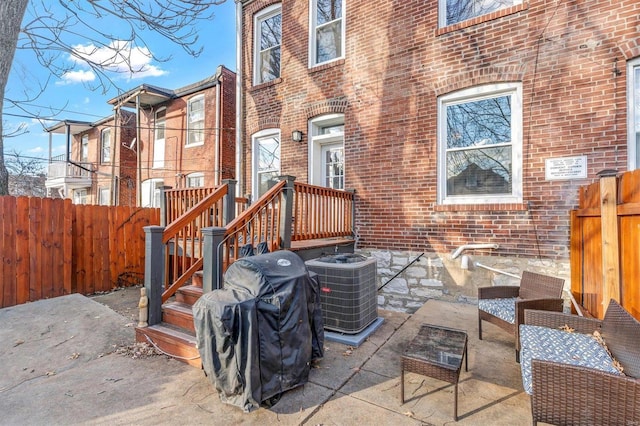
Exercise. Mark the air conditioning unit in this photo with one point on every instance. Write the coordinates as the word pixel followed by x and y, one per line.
pixel 348 292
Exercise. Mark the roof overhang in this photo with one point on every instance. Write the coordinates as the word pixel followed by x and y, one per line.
pixel 148 95
pixel 73 126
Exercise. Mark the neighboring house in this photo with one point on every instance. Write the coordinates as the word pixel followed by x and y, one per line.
pixel 456 122
pixel 186 136
pixel 98 168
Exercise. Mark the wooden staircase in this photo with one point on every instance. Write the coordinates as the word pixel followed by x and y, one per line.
pixel 175 335
pixel 323 225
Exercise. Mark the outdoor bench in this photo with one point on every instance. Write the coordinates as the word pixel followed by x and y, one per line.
pixel 570 374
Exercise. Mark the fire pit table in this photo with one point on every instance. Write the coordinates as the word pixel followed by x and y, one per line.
pixel 436 352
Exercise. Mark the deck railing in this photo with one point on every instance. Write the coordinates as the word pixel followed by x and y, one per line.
pixel 321 212
pixel 183 238
pixel 261 222
pixel 180 200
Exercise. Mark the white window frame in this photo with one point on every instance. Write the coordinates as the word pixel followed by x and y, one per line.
pixel 255 141
pixel 190 122
pixel 104 195
pixel 159 143
pixel 474 94
pixel 84 148
pixel 318 141
pixel 150 192
pixel 105 146
pixel 313 33
pixel 259 17
pixel 633 114
pixel 195 180
pixel 80 196
pixel 442 11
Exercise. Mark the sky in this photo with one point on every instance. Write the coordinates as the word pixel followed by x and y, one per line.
pixel 71 96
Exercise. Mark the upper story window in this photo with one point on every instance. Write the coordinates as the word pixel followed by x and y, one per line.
pixel 633 114
pixel 84 149
pixel 327 31
pixel 105 146
pixel 268 37
pixel 195 121
pixel 158 142
pixel 480 145
pixel 454 11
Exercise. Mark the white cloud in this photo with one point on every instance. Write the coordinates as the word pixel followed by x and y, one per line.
pixel 80 76
pixel 118 57
pixel 36 150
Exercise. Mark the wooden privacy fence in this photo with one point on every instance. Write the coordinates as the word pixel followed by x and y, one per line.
pixel 605 244
pixel 51 247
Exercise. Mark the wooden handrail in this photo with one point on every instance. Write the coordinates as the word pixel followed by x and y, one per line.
pixel 321 212
pixel 184 242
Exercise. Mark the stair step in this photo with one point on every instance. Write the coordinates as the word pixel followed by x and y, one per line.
pixel 178 314
pixel 196 279
pixel 188 294
pixel 175 343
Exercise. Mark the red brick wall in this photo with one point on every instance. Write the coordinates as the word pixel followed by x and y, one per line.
pixel 180 160
pixel 397 62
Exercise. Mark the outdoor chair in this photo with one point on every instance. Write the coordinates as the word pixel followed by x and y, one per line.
pixel 582 370
pixel 504 305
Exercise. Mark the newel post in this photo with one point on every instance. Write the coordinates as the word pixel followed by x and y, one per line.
pixel 610 238
pixel 154 271
pixel 212 258
pixel 286 219
pixel 229 201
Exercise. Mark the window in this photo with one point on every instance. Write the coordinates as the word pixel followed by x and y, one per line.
pixel 84 149
pixel 326 151
pixel 158 142
pixel 327 31
pixel 453 11
pixel 480 145
pixel 79 196
pixel 266 161
pixel 105 146
pixel 195 180
pixel 151 192
pixel 195 121
pixel 103 196
pixel 633 114
pixel 268 35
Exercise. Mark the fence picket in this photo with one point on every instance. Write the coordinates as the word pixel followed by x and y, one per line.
pixel 53 247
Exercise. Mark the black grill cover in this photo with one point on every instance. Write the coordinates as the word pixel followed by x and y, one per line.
pixel 258 335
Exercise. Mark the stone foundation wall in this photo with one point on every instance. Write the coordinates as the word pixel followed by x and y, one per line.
pixel 438 276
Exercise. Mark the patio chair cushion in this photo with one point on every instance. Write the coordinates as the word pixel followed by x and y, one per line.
pixel 560 346
pixel 504 308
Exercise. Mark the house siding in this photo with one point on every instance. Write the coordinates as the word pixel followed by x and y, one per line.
pixel 397 62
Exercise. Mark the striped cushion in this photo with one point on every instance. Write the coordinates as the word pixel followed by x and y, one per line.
pixel 559 346
pixel 505 309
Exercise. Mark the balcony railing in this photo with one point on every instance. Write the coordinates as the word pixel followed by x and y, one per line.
pixel 62 169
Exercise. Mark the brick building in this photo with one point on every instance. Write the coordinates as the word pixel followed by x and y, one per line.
pixel 186 136
pixel 98 169
pixel 457 123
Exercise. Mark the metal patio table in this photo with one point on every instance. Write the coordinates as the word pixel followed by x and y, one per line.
pixel 436 352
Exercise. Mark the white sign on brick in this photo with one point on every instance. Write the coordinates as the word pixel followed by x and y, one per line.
pixel 565 168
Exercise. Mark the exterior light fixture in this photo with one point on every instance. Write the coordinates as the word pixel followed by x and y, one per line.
pixel 296 136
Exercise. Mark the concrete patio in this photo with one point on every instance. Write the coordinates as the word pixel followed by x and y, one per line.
pixel 60 367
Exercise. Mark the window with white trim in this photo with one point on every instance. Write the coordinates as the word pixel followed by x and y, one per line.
pixel 103 196
pixel 266 161
pixel 84 149
pixel 158 140
pixel 326 151
pixel 633 113
pixel 80 196
pixel 454 11
pixel 195 180
pixel 327 31
pixel 105 146
pixel 480 145
pixel 267 31
pixel 151 192
pixel 195 121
